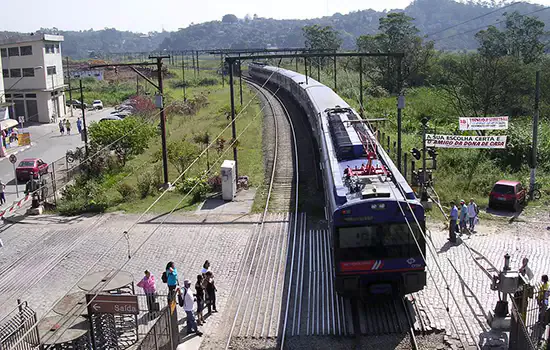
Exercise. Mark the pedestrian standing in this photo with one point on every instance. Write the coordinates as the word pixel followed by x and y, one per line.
pixel 188 303
pixel 68 126
pixel 2 194
pixel 205 267
pixel 150 290
pixel 171 277
pixel 61 127
pixel 463 216
pixel 210 289
pixel 79 125
pixel 473 211
pixel 453 217
pixel 542 297
pixel 199 293
pixel 525 270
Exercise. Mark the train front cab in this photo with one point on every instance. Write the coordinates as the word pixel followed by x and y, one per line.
pixel 377 257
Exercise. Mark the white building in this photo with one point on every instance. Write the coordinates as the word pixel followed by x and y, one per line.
pixel 32 68
pixel 3 105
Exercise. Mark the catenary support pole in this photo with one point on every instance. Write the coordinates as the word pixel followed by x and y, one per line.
pixel 84 128
pixel 233 126
pixel 183 77
pixel 318 69
pixel 534 146
pixel 305 67
pixel 69 82
pixel 162 122
pixel 400 106
pixel 221 69
pixel 240 82
pixel 297 63
pixel 335 81
pixel 361 86
pixel 423 193
pixel 198 65
pixel 194 65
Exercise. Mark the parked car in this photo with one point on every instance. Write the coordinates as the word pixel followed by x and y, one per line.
pixel 507 193
pixel 35 165
pixel 76 104
pixel 122 114
pixel 97 104
pixel 109 118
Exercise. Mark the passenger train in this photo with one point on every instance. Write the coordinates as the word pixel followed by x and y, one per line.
pixel 374 250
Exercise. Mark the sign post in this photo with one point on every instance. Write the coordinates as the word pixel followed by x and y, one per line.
pixel 13 160
pixel 112 304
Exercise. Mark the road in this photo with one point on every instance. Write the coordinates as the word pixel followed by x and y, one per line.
pixel 47 144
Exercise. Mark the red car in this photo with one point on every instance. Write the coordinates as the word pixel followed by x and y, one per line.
pixel 28 165
pixel 507 193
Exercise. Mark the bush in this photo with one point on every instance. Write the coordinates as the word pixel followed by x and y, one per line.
pixel 127 191
pixel 85 196
pixel 196 186
pixel 215 183
pixel 145 184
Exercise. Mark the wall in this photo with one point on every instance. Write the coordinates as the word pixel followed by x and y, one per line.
pixel 2 97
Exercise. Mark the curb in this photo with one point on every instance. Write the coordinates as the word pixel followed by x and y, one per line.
pixel 24 148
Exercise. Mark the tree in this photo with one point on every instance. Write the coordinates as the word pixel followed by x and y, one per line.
pixel 397 34
pixel 180 154
pixel 204 140
pixel 321 38
pixel 521 39
pixel 127 137
pixel 230 18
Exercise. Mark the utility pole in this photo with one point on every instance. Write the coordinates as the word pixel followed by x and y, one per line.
pixel 240 81
pixel 221 69
pixel 233 126
pixel 85 130
pixel 198 65
pixel 318 70
pixel 423 191
pixel 361 86
pixel 305 66
pixel 160 104
pixel 183 77
pixel 533 179
pixel 335 88
pixel 194 65
pixel 69 82
pixel 400 106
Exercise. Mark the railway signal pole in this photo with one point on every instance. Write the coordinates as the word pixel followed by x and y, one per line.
pixel 233 126
pixel 423 190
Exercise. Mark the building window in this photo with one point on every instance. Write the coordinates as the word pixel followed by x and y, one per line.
pixel 6 73
pixel 56 46
pixel 4 52
pixel 28 72
pixel 30 95
pixel 8 95
pixel 51 70
pixel 13 51
pixel 26 50
pixel 15 73
pixel 17 95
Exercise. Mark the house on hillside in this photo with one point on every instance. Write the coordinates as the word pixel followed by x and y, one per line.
pixel 32 69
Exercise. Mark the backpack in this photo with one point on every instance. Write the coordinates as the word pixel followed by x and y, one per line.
pixel 476 209
pixel 164 277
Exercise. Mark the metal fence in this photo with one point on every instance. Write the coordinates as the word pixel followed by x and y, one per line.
pixel 530 318
pixel 14 328
pixel 60 173
pixel 158 330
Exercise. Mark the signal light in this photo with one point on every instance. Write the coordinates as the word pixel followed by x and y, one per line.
pixel 432 152
pixel 416 153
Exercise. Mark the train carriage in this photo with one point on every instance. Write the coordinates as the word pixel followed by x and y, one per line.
pixel 372 211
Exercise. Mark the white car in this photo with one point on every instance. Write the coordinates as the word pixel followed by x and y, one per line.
pixel 97 104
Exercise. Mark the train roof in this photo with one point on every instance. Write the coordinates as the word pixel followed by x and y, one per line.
pixel 346 147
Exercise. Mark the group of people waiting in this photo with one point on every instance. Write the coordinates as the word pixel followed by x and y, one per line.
pixel 466 216
pixel 204 296
pixel 65 125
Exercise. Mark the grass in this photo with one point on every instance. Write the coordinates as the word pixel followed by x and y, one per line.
pixel 208 118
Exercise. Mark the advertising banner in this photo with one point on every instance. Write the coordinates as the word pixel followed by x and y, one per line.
pixel 457 141
pixel 489 123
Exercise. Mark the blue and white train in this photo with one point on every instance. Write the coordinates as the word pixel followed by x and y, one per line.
pixel 374 248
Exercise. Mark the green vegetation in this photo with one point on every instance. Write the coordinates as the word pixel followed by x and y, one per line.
pixel 128 175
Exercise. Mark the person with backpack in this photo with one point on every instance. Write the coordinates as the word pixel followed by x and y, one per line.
pixel 473 211
pixel 170 277
pixel 186 301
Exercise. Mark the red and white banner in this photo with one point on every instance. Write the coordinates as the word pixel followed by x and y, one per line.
pixel 15 206
pixel 458 141
pixel 488 123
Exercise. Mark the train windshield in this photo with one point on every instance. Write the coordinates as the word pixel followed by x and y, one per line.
pixel 378 241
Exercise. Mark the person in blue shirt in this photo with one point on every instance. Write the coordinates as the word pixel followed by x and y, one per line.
pixel 453 217
pixel 463 216
pixel 172 279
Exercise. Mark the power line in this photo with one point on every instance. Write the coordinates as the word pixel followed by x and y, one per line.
pixel 492 24
pixel 472 19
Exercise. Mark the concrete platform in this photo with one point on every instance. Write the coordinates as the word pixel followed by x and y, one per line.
pixel 242 204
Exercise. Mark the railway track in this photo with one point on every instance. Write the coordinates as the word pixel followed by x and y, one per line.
pixel 258 293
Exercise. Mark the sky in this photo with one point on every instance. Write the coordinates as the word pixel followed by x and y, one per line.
pixel 140 15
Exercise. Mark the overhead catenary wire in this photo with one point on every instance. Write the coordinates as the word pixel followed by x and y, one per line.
pixel 125 234
pixel 164 219
pixel 471 19
pixel 423 233
pixel 490 24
